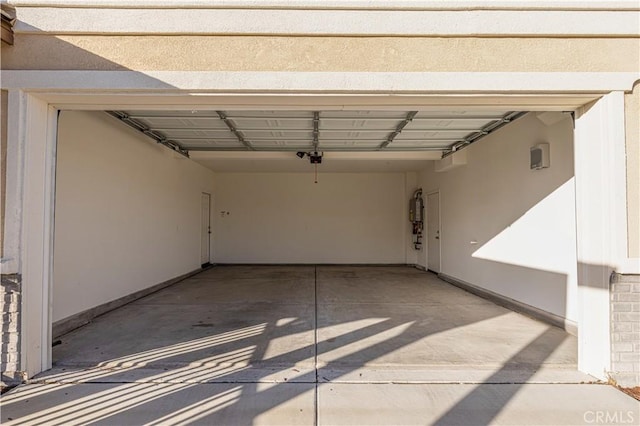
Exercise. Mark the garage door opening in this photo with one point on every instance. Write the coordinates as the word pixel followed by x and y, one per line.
pixel 313 283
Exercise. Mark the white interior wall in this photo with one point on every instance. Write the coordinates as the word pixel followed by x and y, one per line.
pixel 127 212
pixel 507 228
pixel 287 218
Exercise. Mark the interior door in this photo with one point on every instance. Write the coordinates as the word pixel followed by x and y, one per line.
pixel 433 231
pixel 205 231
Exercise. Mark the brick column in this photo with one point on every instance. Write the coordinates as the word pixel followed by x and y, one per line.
pixel 10 303
pixel 625 329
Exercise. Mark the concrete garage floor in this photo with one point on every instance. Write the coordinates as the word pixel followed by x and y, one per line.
pixel 314 345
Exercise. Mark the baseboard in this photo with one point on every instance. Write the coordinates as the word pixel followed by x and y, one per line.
pixel 313 264
pixel 72 322
pixel 569 326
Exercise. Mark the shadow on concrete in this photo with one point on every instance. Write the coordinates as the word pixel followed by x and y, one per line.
pixel 233 364
pixel 472 409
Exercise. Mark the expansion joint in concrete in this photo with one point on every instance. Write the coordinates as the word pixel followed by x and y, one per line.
pixel 315 345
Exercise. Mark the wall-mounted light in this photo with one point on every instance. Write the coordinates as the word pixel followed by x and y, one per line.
pixel 539 156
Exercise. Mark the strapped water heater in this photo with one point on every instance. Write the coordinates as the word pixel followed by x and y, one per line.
pixel 416 217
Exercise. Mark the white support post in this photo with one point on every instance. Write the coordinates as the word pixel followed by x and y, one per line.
pixel 13 174
pixel 38 141
pixel 600 219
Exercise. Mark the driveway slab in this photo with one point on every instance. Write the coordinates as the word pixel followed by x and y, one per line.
pixel 160 404
pixel 473 405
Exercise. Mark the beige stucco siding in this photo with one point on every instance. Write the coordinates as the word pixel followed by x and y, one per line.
pixel 348 54
pixel 3 163
pixel 291 53
pixel 632 122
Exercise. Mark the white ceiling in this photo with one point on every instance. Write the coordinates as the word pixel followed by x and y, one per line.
pixel 336 162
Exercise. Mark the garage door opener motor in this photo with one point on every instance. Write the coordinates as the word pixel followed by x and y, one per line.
pixel 416 217
pixel 314 158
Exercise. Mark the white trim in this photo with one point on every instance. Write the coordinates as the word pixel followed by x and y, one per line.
pixel 39 144
pixel 311 102
pixel 433 23
pixel 51 150
pixel 322 82
pixel 339 4
pixel 601 224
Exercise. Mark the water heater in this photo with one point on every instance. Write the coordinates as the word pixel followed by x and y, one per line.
pixel 416 217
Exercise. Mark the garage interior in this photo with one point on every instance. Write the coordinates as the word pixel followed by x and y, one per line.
pixel 278 261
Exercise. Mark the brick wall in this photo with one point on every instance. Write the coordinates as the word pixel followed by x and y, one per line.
pixel 625 329
pixel 10 296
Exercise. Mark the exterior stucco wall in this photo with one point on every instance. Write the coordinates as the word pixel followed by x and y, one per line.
pixel 300 53
pixel 3 163
pixel 632 123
